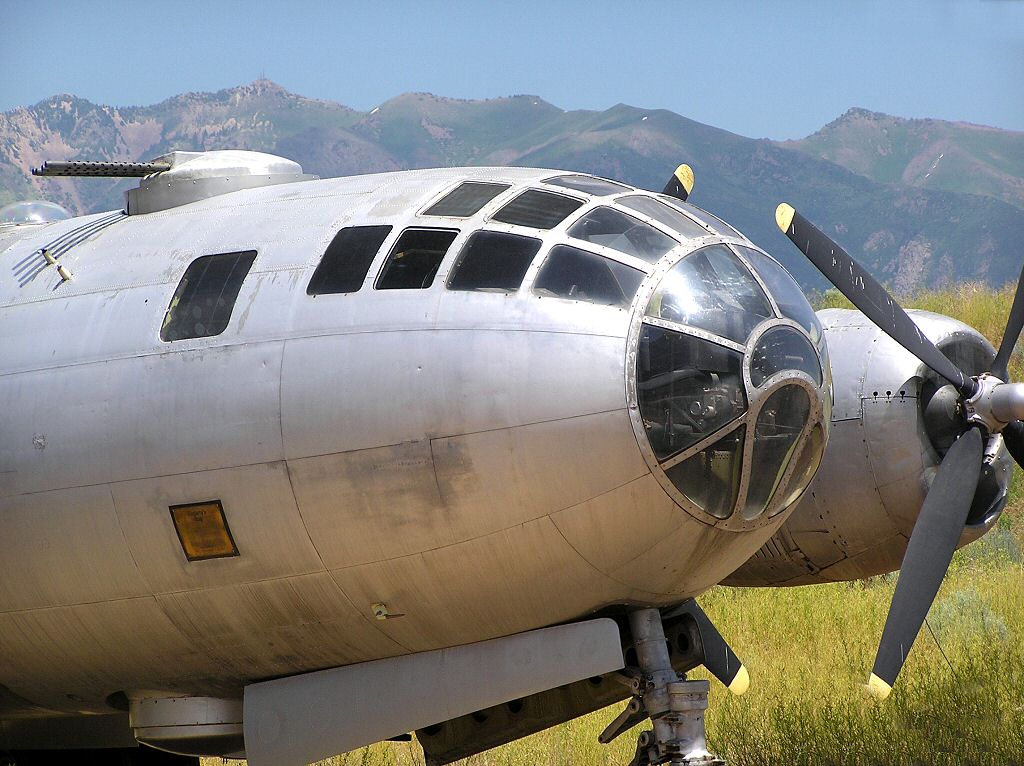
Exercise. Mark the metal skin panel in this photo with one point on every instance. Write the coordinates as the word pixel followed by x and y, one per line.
pixel 145 416
pixel 855 519
pixel 71 658
pixel 70 550
pixel 461 382
pixel 429 494
pixel 484 588
pixel 294 721
pixel 260 511
pixel 282 626
pixel 466 459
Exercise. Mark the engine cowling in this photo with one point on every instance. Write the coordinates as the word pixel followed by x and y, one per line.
pixel 886 442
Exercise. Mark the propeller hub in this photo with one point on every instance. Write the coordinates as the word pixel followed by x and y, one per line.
pixel 992 403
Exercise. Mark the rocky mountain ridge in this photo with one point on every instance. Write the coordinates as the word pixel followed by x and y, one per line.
pixel 909 232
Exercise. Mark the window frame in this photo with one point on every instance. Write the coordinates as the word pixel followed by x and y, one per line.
pixel 369 263
pixel 435 200
pixel 541 262
pixel 175 300
pixel 584 204
pixel 382 269
pixel 526 280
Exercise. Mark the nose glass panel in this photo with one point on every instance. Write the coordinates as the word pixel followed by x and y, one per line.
pixel 711 289
pixel 711 478
pixel 687 388
pixel 806 467
pixel 783 348
pixel 776 437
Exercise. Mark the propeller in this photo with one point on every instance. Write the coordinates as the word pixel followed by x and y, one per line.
pixel 680 185
pixel 989 405
pixel 719 658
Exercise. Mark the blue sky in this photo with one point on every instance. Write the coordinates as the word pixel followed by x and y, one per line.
pixel 777 70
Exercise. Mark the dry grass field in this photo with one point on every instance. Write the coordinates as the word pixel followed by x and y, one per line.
pixel 959 700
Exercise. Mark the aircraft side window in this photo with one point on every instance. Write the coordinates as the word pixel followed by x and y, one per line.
pixel 711 220
pixel 202 304
pixel 414 258
pixel 493 260
pixel 613 228
pixel 569 272
pixel 538 209
pixel 661 212
pixel 347 260
pixel 599 187
pixel 466 199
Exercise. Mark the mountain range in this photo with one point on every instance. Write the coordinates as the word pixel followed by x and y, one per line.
pixel 922 203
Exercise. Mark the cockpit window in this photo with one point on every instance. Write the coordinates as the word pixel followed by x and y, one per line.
pixel 414 259
pixel 711 220
pixel 537 209
pixel 466 199
pixel 206 295
pixel 789 297
pixel 347 260
pixel 783 348
pixel 711 289
pixel 569 272
pixel 613 228
pixel 776 438
pixel 661 212
pixel 493 260
pixel 687 388
pixel 711 478
pixel 599 187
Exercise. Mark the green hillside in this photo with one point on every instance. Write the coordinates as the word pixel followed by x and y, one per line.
pixel 930 154
pixel 908 235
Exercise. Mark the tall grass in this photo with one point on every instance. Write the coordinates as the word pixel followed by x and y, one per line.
pixel 959 699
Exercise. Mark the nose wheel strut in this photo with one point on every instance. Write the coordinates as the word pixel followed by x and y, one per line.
pixel 674 705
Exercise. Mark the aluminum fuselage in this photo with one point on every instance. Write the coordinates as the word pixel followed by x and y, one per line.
pixel 466 458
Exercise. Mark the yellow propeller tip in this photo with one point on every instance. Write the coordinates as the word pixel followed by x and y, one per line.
pixel 741 682
pixel 784 216
pixel 878 688
pixel 685 175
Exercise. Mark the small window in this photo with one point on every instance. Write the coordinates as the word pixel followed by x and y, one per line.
pixel 711 220
pixel 492 260
pixel 466 199
pixel 347 259
pixel 569 272
pixel 202 304
pixel 599 187
pixel 414 259
pixel 662 213
pixel 613 228
pixel 538 209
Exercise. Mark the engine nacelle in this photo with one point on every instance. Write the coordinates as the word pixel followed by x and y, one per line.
pixel 856 517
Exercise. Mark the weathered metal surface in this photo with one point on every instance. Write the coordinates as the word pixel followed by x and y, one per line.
pixel 468 459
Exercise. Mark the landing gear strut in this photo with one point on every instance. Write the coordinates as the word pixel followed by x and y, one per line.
pixel 674 705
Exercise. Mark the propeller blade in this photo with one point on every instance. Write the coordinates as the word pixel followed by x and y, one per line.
pixel 1014 324
pixel 1013 438
pixel 867 294
pixel 719 658
pixel 681 183
pixel 931 547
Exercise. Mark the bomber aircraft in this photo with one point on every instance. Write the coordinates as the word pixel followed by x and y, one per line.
pixel 291 466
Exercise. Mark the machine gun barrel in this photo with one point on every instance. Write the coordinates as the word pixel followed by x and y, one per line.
pixel 100 169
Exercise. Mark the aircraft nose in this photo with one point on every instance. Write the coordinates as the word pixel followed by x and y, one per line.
pixel 729 390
